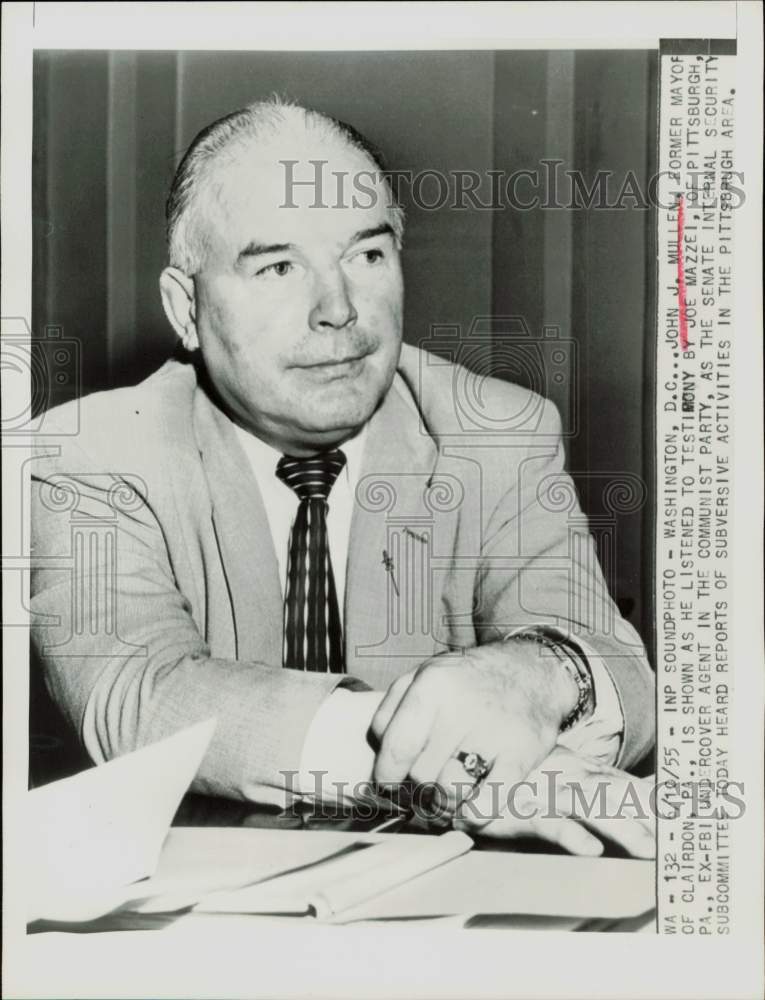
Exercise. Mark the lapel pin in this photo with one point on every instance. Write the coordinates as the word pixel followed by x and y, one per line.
pixel 389 569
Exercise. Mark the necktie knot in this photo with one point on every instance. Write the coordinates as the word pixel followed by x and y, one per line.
pixel 311 478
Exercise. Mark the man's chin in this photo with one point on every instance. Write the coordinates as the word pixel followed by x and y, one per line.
pixel 330 425
pixel 334 410
pixel 334 430
pixel 338 407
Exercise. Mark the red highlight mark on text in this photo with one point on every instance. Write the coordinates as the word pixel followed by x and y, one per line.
pixel 681 274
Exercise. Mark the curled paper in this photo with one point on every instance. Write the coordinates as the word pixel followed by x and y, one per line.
pixel 91 835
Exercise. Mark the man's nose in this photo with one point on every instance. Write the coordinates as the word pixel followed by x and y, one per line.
pixel 332 306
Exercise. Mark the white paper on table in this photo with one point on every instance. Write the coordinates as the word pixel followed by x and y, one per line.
pixel 346 881
pixel 500 883
pixel 495 883
pixel 92 834
pixel 197 862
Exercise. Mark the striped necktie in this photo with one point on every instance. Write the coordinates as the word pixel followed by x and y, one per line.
pixel 313 637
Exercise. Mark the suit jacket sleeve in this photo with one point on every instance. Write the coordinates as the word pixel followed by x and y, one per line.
pixel 121 653
pixel 537 526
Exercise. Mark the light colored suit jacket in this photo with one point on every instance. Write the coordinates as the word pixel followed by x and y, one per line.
pixel 155 592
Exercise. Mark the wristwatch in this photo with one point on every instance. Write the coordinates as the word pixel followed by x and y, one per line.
pixel 572 659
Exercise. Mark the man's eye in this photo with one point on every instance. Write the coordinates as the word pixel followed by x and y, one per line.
pixel 372 256
pixel 281 269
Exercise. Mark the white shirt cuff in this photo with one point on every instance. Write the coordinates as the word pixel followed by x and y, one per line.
pixel 337 757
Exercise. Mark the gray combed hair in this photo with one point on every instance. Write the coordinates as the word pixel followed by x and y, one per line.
pixel 221 140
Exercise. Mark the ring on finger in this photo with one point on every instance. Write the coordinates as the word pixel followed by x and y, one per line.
pixel 474 764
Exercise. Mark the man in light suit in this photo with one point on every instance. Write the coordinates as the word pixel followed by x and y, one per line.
pixel 437 613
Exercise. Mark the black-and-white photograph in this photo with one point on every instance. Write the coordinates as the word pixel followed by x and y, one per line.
pixel 379 459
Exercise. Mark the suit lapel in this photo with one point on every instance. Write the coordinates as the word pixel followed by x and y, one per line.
pixel 244 537
pixel 388 601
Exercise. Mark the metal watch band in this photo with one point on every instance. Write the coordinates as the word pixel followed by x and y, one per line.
pixel 573 660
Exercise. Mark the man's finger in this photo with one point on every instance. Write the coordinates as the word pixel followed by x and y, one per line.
pixel 598 800
pixel 450 774
pixel 567 833
pixel 631 834
pixel 404 737
pixel 434 762
pixel 511 767
pixel 644 795
pixel 390 703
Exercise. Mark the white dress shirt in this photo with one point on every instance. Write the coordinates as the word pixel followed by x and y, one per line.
pixel 336 744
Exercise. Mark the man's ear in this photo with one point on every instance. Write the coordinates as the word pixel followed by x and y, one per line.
pixel 179 302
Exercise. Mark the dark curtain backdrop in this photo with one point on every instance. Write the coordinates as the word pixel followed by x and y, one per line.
pixel 109 128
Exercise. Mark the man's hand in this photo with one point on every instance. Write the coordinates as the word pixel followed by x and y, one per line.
pixel 505 701
pixel 564 797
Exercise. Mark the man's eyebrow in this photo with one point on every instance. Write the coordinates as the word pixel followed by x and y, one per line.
pixel 254 249
pixel 384 229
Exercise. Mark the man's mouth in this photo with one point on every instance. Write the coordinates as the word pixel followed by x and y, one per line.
pixel 349 364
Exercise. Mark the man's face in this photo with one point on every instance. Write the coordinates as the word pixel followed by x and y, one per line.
pixel 298 310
